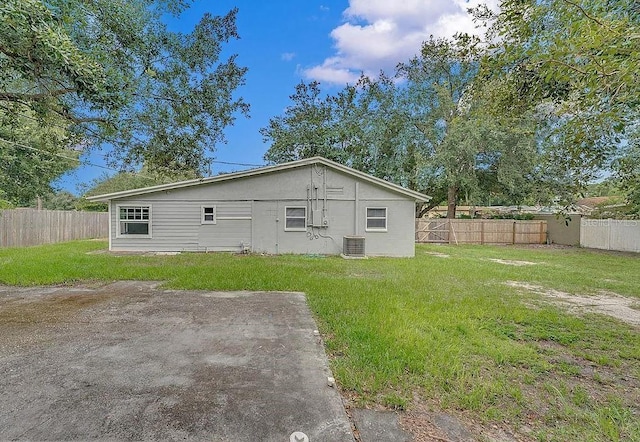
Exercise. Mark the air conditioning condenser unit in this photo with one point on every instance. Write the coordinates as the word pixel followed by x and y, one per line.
pixel 353 246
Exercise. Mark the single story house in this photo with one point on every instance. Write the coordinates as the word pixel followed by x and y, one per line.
pixel 309 206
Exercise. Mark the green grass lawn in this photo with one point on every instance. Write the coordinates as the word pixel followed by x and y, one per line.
pixel 444 333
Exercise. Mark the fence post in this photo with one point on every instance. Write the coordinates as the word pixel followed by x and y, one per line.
pixel 481 232
pixel 513 233
pixel 542 239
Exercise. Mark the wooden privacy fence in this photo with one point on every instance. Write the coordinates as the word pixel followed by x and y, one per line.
pixel 30 227
pixel 480 231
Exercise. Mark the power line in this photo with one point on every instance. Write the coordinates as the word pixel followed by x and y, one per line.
pixel 237 164
pixel 67 158
pixel 229 163
pixel 99 165
pixel 65 127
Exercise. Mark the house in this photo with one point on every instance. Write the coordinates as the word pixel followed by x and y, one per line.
pixel 309 206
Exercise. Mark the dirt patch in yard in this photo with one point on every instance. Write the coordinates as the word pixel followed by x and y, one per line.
pixel 606 303
pixel 438 255
pixel 509 262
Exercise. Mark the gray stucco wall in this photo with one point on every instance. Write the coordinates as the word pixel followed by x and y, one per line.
pixel 561 231
pixel 251 212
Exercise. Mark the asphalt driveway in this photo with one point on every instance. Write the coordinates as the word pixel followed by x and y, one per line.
pixel 130 361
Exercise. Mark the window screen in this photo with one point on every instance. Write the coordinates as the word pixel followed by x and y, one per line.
pixel 295 218
pixel 376 218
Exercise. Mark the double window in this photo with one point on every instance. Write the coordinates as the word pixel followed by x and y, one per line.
pixel 134 221
pixel 376 219
pixel 295 219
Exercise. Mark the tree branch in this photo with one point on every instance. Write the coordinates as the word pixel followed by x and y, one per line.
pixel 586 14
pixel 6 51
pixel 567 65
pixel 18 97
pixel 79 120
pixel 158 97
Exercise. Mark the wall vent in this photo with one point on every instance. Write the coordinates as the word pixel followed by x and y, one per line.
pixel 353 246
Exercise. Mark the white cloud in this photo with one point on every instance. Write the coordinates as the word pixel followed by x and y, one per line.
pixel 378 34
pixel 331 72
pixel 287 56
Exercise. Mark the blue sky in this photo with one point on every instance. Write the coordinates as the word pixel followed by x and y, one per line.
pixel 284 42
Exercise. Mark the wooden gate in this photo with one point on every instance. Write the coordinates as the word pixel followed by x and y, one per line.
pixel 436 231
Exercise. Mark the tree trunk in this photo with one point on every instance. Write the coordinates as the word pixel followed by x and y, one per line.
pixel 452 201
pixel 423 209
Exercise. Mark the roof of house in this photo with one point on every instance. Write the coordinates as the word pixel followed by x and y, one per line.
pixel 594 201
pixel 265 170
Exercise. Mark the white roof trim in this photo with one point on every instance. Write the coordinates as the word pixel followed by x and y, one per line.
pixel 265 170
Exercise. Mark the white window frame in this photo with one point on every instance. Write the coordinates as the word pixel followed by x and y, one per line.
pixel 295 229
pixel 119 221
pixel 367 218
pixel 202 215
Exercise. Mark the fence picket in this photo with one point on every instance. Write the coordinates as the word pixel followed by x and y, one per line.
pixel 30 227
pixel 480 231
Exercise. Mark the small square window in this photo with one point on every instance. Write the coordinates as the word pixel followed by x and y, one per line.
pixel 295 219
pixel 208 215
pixel 377 219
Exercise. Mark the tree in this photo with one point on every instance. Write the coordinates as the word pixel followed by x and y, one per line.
pixel 123 181
pixel 627 174
pixel 305 130
pixel 469 151
pixel 360 126
pixel 411 134
pixel 388 145
pixel 579 58
pixel 60 200
pixel 4 202
pixel 114 73
pixel 431 129
pixel 34 151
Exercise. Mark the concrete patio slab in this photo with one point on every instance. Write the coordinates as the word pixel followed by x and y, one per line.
pixel 130 361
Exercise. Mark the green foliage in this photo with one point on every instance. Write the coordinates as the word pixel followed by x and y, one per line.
pixel 589 47
pixel 61 200
pixel 627 170
pixel 34 151
pixel 363 126
pixel 471 151
pixel 428 129
pixel 606 187
pixel 577 61
pixel 4 203
pixel 304 130
pixel 520 216
pixel 122 181
pixel 114 73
